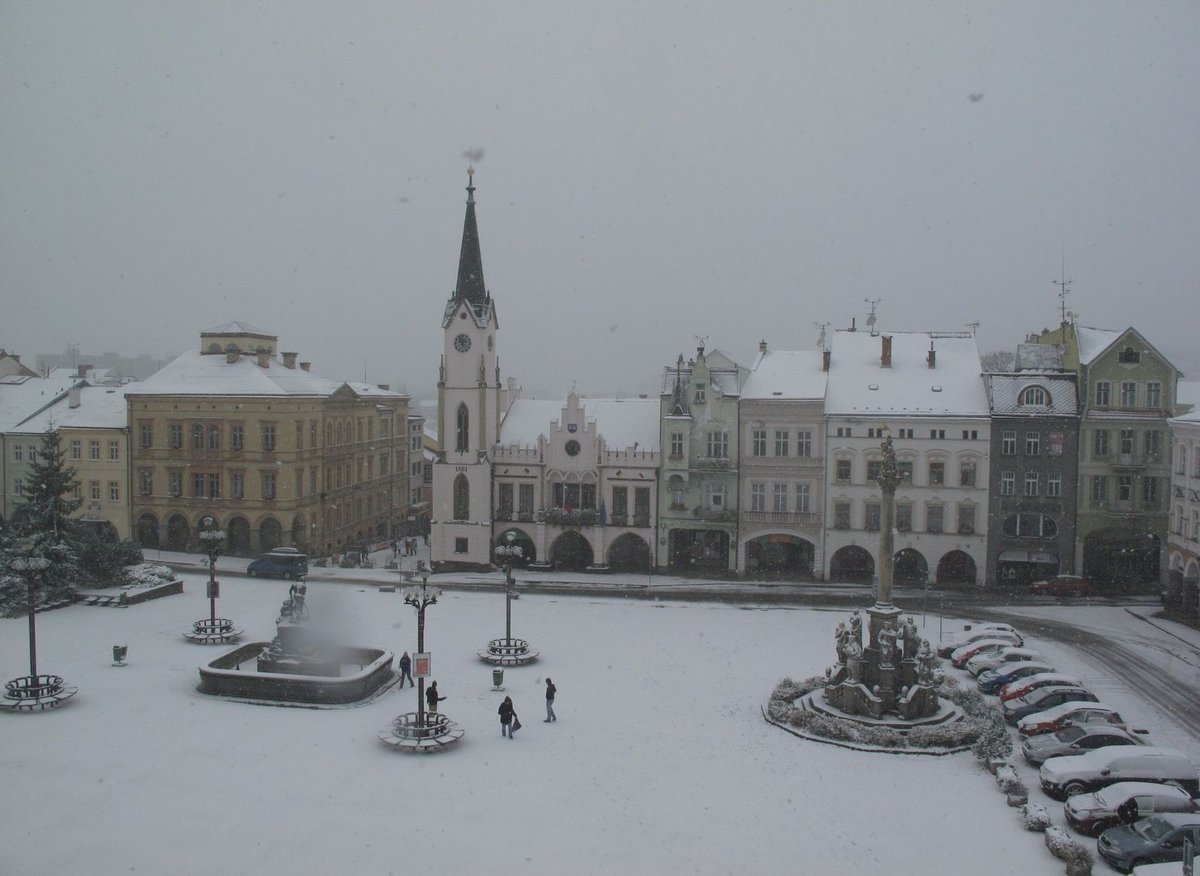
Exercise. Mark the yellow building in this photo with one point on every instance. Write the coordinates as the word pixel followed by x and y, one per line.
pixel 278 455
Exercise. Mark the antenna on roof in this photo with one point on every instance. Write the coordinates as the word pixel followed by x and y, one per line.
pixel 1062 283
pixel 972 326
pixel 871 316
pixel 821 337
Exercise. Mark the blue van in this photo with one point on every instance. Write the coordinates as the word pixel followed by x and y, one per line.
pixel 279 563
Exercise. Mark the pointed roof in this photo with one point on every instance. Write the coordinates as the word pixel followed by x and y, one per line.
pixel 470 284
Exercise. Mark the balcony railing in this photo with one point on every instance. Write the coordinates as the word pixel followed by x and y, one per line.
pixel 786 518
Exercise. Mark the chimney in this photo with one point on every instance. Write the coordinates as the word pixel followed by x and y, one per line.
pixel 885 360
pixel 82 370
pixel 304 366
pixel 762 345
pixel 825 356
pixel 289 359
pixel 932 357
pixel 384 386
pixel 73 397
pixel 264 359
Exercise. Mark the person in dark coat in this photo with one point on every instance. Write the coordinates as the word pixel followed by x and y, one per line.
pixel 406 669
pixel 432 698
pixel 550 691
pixel 507 717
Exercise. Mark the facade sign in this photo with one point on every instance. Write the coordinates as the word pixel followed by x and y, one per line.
pixel 1057 442
pixel 421 665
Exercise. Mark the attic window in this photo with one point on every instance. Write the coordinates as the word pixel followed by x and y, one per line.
pixel 1034 395
pixel 777 392
pixel 936 388
pixel 1129 356
pixel 872 386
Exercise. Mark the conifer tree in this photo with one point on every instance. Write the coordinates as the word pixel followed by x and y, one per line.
pixel 47 502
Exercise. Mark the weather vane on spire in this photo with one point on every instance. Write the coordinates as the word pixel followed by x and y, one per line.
pixel 474 156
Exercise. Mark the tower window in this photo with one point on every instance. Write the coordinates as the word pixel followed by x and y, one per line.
pixel 462 431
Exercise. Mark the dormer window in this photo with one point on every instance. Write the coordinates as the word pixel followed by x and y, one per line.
pixel 1034 395
pixel 1129 356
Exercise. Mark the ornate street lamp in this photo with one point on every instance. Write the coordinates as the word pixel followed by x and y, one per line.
pixel 421 598
pixel 213 540
pixel 33 691
pixel 215 630
pixel 508 554
pixel 508 651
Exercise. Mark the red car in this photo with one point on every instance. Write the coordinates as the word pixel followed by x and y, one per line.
pixel 1022 686
pixel 1062 585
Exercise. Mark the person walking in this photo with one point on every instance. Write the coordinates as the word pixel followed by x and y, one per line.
pixel 550 691
pixel 508 718
pixel 406 670
pixel 432 698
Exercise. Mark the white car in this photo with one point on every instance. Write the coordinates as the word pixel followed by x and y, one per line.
pixel 978 631
pixel 981 663
pixel 960 655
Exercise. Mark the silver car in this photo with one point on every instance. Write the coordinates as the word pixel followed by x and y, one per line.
pixel 1075 740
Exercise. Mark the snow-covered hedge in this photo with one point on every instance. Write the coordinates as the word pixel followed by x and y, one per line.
pixel 1073 852
pixel 1035 817
pixel 149 575
pixel 781 707
pixel 1010 782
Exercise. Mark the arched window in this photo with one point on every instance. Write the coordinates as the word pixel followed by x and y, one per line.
pixel 462 498
pixel 337 433
pixel 462 431
pixel 1034 395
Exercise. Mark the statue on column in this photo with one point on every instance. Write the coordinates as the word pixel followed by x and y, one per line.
pixel 856 627
pixel 925 664
pixel 912 638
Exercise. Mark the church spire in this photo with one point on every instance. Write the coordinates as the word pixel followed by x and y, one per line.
pixel 470 285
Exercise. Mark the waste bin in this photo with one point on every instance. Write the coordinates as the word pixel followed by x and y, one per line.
pixel 497 677
pixel 119 652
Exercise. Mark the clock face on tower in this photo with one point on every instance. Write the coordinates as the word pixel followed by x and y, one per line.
pixel 462 343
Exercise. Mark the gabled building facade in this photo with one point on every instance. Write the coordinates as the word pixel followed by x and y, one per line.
pixel 698 503
pixel 1127 389
pixel 782 466
pixel 575 483
pixel 926 391
pixel 1034 451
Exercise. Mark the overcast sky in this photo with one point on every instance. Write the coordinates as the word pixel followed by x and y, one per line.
pixel 652 172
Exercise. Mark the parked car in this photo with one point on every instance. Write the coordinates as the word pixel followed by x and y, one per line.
pixel 1062 585
pixel 1010 654
pixel 279 563
pixel 1074 740
pixel 1043 698
pixel 1069 714
pixel 991 680
pixel 1063 777
pixel 1096 812
pixel 978 631
pixel 960 656
pixel 1157 839
pixel 1022 686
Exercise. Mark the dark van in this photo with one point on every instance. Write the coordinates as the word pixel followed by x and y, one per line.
pixel 279 564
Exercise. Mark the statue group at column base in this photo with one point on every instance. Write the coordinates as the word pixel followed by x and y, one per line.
pixel 895 674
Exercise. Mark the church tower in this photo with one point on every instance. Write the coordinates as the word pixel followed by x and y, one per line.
pixel 469 399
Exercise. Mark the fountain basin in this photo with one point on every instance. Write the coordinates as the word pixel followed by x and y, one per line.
pixel 364 671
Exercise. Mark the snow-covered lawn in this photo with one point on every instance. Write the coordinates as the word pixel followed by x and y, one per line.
pixel 660 761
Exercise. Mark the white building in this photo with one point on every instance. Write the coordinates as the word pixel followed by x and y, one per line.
pixel 926 390
pixel 782 465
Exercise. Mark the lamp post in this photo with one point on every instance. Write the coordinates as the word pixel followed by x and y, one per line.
pixel 421 598
pixel 213 540
pixel 30 568
pixel 509 553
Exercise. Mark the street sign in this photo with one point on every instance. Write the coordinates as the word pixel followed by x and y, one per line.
pixel 421 665
pixel 214 590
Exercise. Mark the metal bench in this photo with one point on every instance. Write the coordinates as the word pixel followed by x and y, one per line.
pixel 213 631
pixel 31 692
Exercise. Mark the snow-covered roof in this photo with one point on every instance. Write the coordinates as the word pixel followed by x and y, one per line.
pixel 21 400
pixel 859 384
pixel 1006 391
pixel 1094 341
pixel 100 407
pixel 622 422
pixel 194 373
pixel 1187 392
pixel 237 327
pixel 786 374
